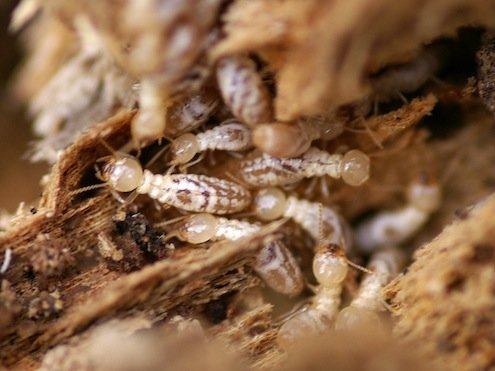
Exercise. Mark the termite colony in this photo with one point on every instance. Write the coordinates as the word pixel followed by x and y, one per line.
pixel 208 159
pixel 223 171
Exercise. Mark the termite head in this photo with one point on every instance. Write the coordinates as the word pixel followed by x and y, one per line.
pixel 123 173
pixel 330 265
pixel 183 149
pixel 355 168
pixel 197 228
pixel 425 194
pixel 270 204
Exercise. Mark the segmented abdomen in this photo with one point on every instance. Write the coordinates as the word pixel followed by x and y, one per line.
pixel 271 171
pixel 198 193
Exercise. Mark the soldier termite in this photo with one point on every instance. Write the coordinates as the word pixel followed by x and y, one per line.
pixel 198 193
pixel 385 265
pixel 316 219
pixel 353 167
pixel 284 139
pixel 275 264
pixel 229 136
pixel 394 227
pixel 243 90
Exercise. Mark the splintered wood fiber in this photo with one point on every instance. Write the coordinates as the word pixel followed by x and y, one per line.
pixel 444 302
pixel 94 284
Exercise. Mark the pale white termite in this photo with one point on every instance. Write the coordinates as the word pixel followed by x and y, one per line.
pixel 394 227
pixel 353 167
pixel 275 264
pixel 243 90
pixel 191 192
pixel 323 223
pixel 230 136
pixel 149 123
pixel 160 115
pixel 330 269
pixel 191 112
pixel 385 265
pixel 292 139
pixel 410 76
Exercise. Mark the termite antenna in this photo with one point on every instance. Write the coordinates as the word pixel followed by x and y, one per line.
pixel 366 129
pixel 287 316
pixel 157 155
pixel 359 267
pixel 402 97
pixel 170 221
pixel 273 226
pixel 108 147
pixel 88 188
pixel 370 133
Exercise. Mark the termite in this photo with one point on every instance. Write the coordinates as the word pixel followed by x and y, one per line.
pixel 385 265
pixel 318 220
pixel 275 264
pixel 330 268
pixel 353 167
pixel 191 112
pixel 190 192
pixel 161 115
pixel 394 227
pixel 410 76
pixel 293 139
pixel 243 90
pixel 230 136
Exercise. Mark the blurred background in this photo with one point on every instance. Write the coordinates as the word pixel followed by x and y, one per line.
pixel 19 179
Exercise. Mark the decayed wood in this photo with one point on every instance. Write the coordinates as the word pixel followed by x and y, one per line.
pixel 445 300
pixel 186 280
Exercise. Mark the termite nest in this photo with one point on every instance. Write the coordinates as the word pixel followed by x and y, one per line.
pixel 217 138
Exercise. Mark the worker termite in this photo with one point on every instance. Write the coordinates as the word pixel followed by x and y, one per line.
pixel 330 268
pixel 385 265
pixel 394 227
pixel 230 136
pixel 243 90
pixel 198 193
pixel 191 112
pixel 275 264
pixel 316 219
pixel 149 123
pixel 410 76
pixel 353 167
pixel 161 115
pixel 285 139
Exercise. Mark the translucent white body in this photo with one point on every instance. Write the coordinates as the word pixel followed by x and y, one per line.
pixel 191 192
pixel 231 136
pixel 385 265
pixel 394 227
pixel 330 268
pixel 243 90
pixel 322 222
pixel 275 264
pixel 352 167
